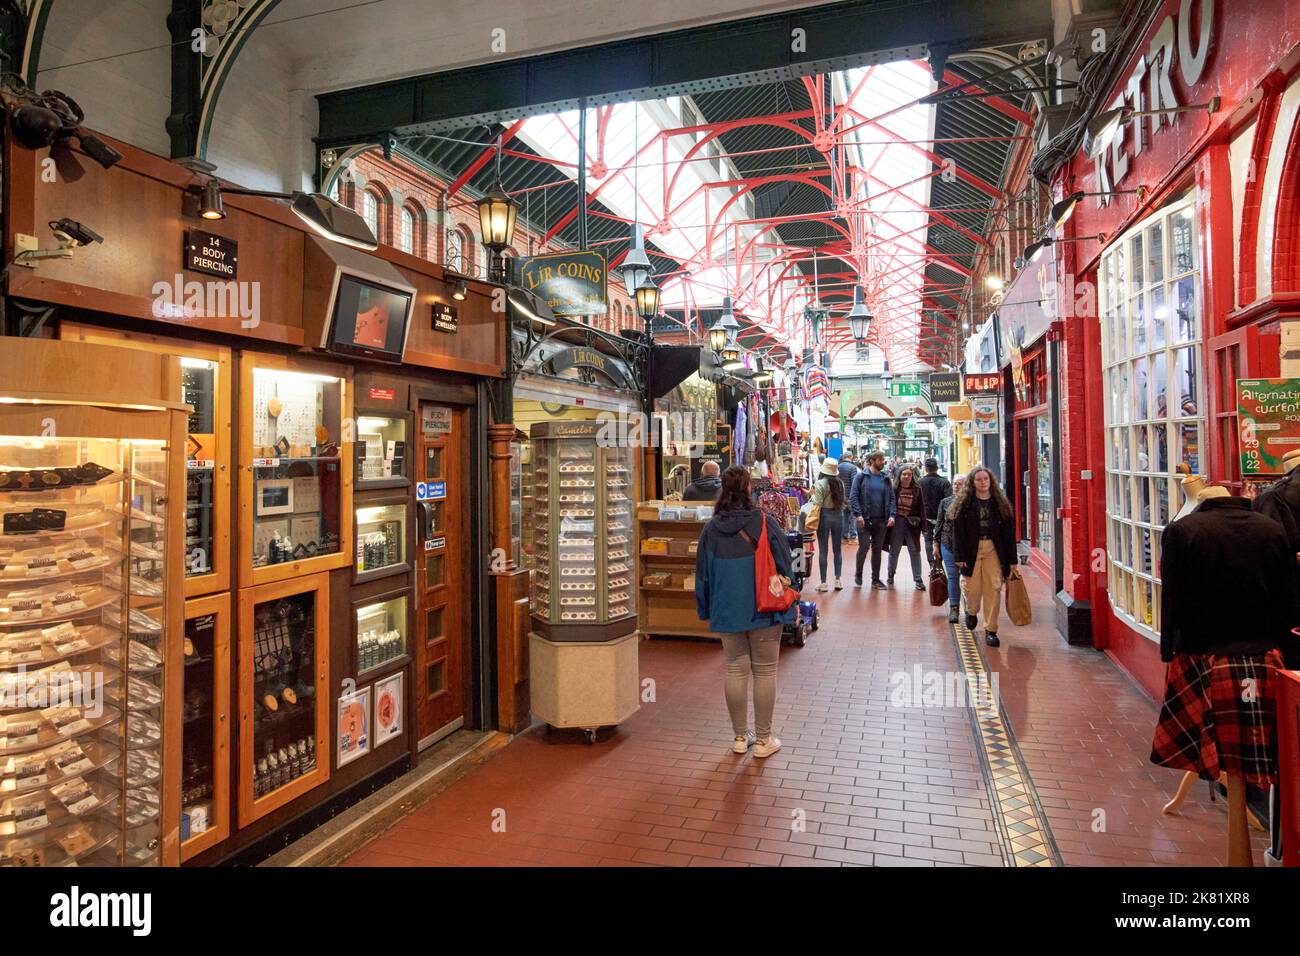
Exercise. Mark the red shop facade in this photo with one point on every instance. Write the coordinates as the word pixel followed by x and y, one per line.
pixel 1168 295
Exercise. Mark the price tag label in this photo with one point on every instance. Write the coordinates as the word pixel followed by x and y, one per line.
pixel 42 567
pixel 196 464
pixel 266 462
pixel 67 602
pixel 22 657
pixel 73 647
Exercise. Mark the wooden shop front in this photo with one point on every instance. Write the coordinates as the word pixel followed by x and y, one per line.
pixel 337 598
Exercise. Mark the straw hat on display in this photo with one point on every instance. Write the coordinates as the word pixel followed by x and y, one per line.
pixel 1291 459
pixel 831 466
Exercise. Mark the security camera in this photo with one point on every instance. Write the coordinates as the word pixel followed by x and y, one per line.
pixel 74 233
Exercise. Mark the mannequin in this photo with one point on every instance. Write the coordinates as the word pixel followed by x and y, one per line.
pixel 1228 603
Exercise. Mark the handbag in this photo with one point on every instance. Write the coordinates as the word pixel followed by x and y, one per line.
pixel 810 520
pixel 1018 608
pixel 772 593
pixel 938 587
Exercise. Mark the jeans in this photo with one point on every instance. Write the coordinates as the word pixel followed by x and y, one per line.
pixel 871 538
pixel 954 579
pixel 850 529
pixel 746 653
pixel 830 533
pixel 983 589
pixel 904 536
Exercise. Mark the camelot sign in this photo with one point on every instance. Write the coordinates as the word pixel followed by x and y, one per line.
pixel 571 283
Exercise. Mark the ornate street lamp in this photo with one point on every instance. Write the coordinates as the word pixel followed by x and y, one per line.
pixel 859 316
pixel 647 299
pixel 496 218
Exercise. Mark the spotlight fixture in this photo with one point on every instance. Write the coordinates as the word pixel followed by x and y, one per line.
pixel 1101 131
pixel 1034 249
pixel 54 119
pixel 1063 210
pixel 860 315
pixel 459 289
pixel 321 214
pixel 994 283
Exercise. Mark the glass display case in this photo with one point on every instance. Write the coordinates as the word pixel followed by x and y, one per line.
pixel 380 540
pixel 296 479
pixel 205 743
pixel 84 587
pixel 380 633
pixel 583 576
pixel 518 490
pixel 284 742
pixel 205 385
pixel 381 451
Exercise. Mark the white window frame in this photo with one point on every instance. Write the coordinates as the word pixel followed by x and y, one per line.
pixel 1142 330
pixel 408 230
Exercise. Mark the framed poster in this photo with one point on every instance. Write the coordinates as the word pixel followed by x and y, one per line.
pixel 1268 416
pixel 354 726
pixel 274 496
pixel 985 412
pixel 388 709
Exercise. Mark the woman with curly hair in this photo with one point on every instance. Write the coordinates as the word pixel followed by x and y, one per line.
pixel 984 548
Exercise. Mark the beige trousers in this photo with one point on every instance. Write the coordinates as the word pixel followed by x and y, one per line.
pixel 983 589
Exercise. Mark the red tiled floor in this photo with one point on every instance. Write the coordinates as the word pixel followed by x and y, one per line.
pixel 859 781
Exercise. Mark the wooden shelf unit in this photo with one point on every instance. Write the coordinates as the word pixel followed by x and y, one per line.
pixel 668 611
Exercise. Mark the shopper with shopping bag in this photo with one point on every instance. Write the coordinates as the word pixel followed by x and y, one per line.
pixel 826 517
pixel 943 549
pixel 742 588
pixel 984 548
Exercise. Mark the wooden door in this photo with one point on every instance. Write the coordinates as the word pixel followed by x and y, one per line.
pixel 442 581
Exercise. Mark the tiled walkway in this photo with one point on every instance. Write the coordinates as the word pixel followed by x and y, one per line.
pixel 860 780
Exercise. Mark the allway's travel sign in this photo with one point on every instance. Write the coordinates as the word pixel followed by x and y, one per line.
pixel 572 283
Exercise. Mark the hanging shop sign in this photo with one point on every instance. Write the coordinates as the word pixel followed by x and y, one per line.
pixel 580 357
pixel 211 254
pixel 960 412
pixel 1268 416
pixel 445 318
pixel 905 390
pixel 989 383
pixel 985 414
pixel 945 387
pixel 571 283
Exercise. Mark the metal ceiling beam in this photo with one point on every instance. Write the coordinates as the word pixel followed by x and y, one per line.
pixel 751 51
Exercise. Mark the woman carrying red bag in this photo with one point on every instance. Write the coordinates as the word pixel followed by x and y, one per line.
pixel 726 595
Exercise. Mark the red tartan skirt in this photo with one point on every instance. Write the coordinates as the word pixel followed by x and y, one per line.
pixel 1220 714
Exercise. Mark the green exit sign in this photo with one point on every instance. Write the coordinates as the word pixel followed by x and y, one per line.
pixel 905 390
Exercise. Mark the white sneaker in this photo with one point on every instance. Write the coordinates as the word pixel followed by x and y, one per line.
pixel 741 744
pixel 839 586
pixel 765 748
pixel 821 588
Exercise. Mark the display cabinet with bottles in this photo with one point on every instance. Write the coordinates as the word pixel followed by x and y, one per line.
pixel 205 386
pixel 380 633
pixel 583 574
pixel 205 744
pixel 284 742
pixel 380 538
pixel 296 468
pixel 90 590
pixel 382 452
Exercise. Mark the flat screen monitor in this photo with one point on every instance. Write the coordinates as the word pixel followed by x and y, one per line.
pixel 369 319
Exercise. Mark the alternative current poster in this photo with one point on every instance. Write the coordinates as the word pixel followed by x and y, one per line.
pixel 1268 416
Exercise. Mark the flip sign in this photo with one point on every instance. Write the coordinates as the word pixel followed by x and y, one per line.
pixel 430 490
pixel 988 383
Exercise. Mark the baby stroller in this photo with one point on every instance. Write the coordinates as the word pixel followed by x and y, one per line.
pixel 801 560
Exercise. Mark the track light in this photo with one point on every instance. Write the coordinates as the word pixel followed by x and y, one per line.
pixel 1063 210
pixel 1034 249
pixel 210 206
pixel 459 289
pixel 1101 131
pixel 321 214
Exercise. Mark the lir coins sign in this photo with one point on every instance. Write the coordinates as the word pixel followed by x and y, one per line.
pixel 1268 417
pixel 571 283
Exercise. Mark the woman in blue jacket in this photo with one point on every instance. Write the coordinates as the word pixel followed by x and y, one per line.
pixel 725 597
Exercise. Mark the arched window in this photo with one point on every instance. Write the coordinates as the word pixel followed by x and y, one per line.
pixel 454 251
pixel 370 211
pixel 407 241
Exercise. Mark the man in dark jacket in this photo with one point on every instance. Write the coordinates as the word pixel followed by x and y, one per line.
pixel 848 472
pixel 707 486
pixel 1281 502
pixel 872 501
pixel 934 488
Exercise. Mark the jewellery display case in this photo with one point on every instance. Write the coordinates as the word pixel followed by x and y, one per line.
pixel 90 594
pixel 583 576
pixel 205 746
pixel 380 635
pixel 284 741
pixel 205 386
pixel 381 451
pixel 296 468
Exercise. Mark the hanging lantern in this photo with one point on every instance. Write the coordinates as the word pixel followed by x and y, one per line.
pixel 647 299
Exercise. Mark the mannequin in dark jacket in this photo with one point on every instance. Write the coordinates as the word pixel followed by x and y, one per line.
pixel 984 548
pixel 1281 502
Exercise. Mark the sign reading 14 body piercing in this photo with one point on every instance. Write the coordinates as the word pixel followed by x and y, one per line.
pixel 211 254
pixel 430 490
pixel 1268 416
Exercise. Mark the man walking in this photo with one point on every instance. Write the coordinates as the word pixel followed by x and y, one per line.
pixel 934 488
pixel 872 500
pixel 705 487
pixel 848 474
